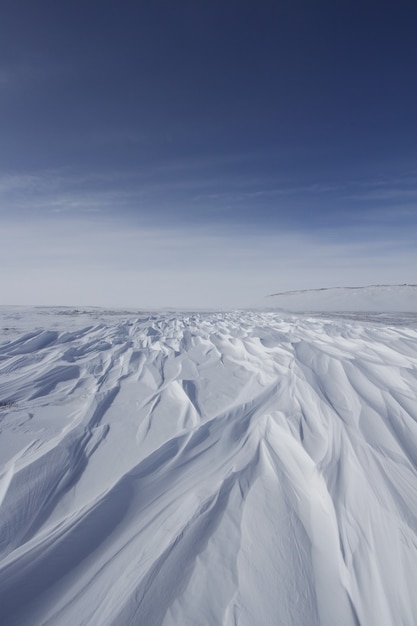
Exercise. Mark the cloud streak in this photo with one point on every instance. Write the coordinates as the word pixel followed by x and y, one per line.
pixel 85 261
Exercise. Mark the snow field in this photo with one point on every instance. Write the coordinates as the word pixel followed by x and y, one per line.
pixel 191 469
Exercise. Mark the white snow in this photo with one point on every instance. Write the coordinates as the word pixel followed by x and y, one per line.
pixel 236 468
pixel 383 298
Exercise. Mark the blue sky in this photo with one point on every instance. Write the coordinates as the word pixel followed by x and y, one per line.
pixel 205 153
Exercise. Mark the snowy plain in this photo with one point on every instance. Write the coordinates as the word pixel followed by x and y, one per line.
pixel 221 468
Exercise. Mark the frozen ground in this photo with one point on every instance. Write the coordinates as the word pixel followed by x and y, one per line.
pixel 193 469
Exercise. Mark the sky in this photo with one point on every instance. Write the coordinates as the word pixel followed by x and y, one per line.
pixel 205 153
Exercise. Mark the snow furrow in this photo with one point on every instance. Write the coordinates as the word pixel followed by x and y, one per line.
pixel 208 468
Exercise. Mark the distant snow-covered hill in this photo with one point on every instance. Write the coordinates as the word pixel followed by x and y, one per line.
pixel 384 298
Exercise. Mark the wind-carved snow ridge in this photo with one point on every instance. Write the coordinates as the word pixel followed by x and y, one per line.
pixel 191 469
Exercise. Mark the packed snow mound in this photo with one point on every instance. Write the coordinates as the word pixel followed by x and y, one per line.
pixel 232 469
pixel 383 298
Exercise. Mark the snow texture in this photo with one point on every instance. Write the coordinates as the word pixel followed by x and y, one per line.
pixel 233 468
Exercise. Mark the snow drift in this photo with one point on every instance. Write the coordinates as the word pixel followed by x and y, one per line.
pixel 235 468
pixel 383 298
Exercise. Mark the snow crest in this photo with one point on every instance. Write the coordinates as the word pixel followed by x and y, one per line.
pixel 382 298
pixel 233 469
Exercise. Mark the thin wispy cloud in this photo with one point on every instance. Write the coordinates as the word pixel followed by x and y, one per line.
pixel 83 260
pixel 135 147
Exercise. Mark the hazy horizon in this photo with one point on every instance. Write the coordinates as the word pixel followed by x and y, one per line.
pixel 205 154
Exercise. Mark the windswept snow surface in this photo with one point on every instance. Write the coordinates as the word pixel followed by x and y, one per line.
pixel 244 468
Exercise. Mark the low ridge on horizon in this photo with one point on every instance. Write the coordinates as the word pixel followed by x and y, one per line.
pixel 382 298
pixel 379 285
